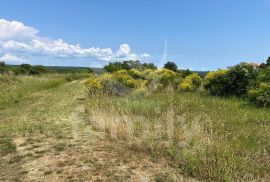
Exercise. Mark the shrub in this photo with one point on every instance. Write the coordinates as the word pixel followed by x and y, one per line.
pixel 185 73
pixel 264 75
pixel 239 79
pixel 233 82
pixel 215 82
pixel 136 74
pixel 165 78
pixel 191 82
pixel 146 73
pixel 170 66
pixel 124 78
pixel 94 85
pixel 260 95
pixel 117 83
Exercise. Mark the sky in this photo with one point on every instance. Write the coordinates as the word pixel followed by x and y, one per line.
pixel 200 34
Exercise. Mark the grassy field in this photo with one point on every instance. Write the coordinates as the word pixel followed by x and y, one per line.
pixel 49 129
pixel 47 136
pixel 207 138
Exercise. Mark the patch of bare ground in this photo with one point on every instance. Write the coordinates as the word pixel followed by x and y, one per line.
pixel 59 144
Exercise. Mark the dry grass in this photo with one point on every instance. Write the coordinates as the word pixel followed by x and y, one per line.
pixel 208 138
pixel 47 137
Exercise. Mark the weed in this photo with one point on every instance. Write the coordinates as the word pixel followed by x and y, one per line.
pixel 7 146
pixel 60 147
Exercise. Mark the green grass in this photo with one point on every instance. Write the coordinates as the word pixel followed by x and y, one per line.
pixel 60 147
pixel 28 104
pixel 205 137
pixel 16 89
pixel 6 146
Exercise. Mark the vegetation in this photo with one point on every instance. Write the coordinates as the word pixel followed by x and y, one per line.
pixel 191 82
pixel 158 113
pixel 27 69
pixel 212 128
pixel 171 66
pixel 16 89
pixel 127 65
pixel 248 81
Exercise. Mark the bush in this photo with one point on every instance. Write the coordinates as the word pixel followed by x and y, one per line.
pixel 215 82
pixel 136 74
pixel 239 79
pixel 165 78
pixel 124 78
pixel 118 83
pixel 170 66
pixel 260 95
pixel 232 82
pixel 191 82
pixel 264 75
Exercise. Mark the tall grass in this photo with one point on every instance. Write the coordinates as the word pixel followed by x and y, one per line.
pixel 205 137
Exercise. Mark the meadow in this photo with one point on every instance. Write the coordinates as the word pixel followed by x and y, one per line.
pixel 205 137
pixel 194 124
pixel 174 120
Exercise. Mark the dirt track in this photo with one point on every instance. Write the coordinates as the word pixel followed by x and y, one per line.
pixel 57 143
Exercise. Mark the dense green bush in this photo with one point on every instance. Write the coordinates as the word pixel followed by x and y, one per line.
pixel 215 82
pixel 260 95
pixel 239 78
pixel 232 82
pixel 170 66
pixel 264 75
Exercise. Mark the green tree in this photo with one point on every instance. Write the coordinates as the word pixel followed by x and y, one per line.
pixel 149 66
pixel 185 73
pixel 112 67
pixel 25 66
pixel 2 67
pixel 268 61
pixel 171 66
pixel 128 65
pixel 2 64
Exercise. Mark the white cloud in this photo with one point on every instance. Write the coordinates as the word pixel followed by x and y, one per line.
pixel 18 40
pixel 16 30
pixel 123 51
pixel 11 58
pixel 145 55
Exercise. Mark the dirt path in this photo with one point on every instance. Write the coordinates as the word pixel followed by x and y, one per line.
pixel 55 142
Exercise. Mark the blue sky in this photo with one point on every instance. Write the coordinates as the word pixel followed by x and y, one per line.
pixel 201 34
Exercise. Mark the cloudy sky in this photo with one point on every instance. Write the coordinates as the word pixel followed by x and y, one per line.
pixel 202 35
